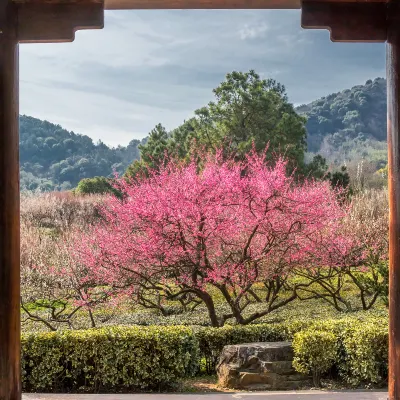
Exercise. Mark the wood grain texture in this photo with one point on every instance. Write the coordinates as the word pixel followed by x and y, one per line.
pixel 216 4
pixel 48 22
pixel 54 2
pixel 10 381
pixel 194 4
pixel 393 81
pixel 200 4
pixel 347 22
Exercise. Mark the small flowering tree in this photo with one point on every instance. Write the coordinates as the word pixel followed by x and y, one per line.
pixel 355 256
pixel 55 288
pixel 226 226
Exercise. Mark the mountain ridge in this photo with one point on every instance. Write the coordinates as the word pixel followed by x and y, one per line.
pixel 341 121
pixel 53 158
pixel 345 127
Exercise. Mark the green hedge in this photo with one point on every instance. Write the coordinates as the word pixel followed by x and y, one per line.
pixel 360 345
pixel 316 352
pixel 366 353
pixel 358 354
pixel 101 360
pixel 152 358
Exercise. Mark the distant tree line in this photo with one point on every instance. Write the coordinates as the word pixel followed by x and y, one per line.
pixel 347 128
pixel 54 159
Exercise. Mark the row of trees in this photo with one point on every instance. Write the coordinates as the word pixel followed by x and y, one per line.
pixel 344 127
pixel 359 112
pixel 349 128
pixel 244 229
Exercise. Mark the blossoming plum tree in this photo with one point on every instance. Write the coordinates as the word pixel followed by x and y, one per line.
pixel 56 290
pixel 227 226
pixel 357 257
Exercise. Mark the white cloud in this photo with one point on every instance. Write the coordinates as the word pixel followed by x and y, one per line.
pixel 253 31
pixel 148 67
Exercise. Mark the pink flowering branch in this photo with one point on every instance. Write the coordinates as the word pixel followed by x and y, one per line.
pixel 228 225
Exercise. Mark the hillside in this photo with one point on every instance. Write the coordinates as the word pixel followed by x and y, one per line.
pixel 54 159
pixel 349 126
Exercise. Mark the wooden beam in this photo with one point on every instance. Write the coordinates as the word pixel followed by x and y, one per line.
pixel 10 381
pixel 347 22
pixel 215 4
pixel 45 22
pixel 200 4
pixel 195 4
pixel 393 82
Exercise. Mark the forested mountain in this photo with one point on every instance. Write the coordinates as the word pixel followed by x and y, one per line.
pixel 348 129
pixel 54 159
pixel 349 126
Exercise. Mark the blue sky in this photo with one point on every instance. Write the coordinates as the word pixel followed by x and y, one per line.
pixel 148 67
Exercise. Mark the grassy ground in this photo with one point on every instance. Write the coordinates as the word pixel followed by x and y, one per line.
pixel 316 309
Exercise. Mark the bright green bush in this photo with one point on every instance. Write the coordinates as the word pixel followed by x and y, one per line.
pixel 315 351
pixel 361 348
pixel 366 353
pixel 354 347
pixel 212 340
pixel 119 358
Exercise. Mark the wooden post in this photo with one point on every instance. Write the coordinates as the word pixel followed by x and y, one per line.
pixel 10 381
pixel 393 82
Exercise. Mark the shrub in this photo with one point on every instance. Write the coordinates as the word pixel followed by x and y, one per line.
pixel 96 185
pixel 315 351
pixel 212 340
pixel 361 348
pixel 366 353
pixel 338 342
pixel 59 212
pixel 119 358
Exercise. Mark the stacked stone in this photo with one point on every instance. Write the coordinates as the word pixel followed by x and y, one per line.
pixel 259 366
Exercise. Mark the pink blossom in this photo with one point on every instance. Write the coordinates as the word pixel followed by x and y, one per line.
pixel 230 223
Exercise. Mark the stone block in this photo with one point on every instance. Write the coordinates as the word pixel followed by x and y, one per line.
pixel 259 366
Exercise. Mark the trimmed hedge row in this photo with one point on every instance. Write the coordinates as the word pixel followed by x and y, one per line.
pixel 360 349
pixel 101 360
pixel 152 358
pixel 354 350
pixel 315 352
pixel 366 354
